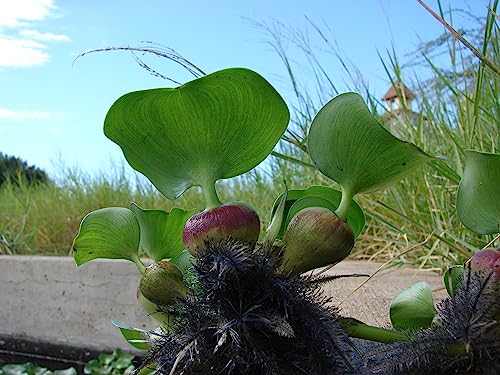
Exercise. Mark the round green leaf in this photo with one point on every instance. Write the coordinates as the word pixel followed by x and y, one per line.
pixel 355 217
pixel 161 231
pixel 111 232
pixel 349 145
pixel 413 308
pixel 478 200
pixel 217 126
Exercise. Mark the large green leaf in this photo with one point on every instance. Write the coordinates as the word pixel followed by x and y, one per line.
pixel 217 126
pixel 355 217
pixel 111 232
pixel 413 307
pixel 349 145
pixel 478 200
pixel 161 231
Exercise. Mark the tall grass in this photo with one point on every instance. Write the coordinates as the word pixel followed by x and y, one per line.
pixel 459 109
pixel 44 218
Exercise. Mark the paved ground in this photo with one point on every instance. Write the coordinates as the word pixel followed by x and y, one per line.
pixel 50 299
pixel 371 302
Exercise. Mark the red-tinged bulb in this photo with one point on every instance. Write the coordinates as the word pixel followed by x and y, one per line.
pixel 236 220
pixel 315 238
pixel 486 260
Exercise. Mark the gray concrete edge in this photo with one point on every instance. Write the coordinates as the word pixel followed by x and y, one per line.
pixel 51 300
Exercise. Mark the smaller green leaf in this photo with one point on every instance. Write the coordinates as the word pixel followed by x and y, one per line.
pixel 413 308
pixel 67 371
pixel 478 199
pixel 276 223
pixel 161 231
pixel 122 360
pixel 91 366
pixel 147 369
pixel 183 261
pixel 349 145
pixel 12 369
pixel 453 279
pixel 355 217
pixel 134 336
pixel 106 359
pixel 107 233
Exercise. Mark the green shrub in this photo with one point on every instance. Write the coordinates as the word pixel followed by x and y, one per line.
pixel 16 169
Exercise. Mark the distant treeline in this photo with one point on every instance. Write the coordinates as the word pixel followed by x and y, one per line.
pixel 15 169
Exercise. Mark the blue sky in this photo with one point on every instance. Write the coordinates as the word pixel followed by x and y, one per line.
pixel 52 109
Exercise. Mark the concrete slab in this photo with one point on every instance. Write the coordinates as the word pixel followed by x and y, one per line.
pixel 370 303
pixel 51 300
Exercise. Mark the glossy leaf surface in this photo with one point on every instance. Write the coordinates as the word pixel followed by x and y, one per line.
pixel 217 126
pixel 161 231
pixel 349 145
pixel 413 307
pixel 453 278
pixel 355 216
pixel 183 261
pixel 134 336
pixel 277 218
pixel 478 200
pixel 111 233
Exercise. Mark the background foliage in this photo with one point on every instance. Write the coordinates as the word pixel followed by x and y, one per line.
pixel 17 170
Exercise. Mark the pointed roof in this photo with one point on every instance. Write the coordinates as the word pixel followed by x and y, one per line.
pixel 392 94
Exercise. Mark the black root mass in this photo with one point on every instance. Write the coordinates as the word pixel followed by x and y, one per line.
pixel 464 338
pixel 244 318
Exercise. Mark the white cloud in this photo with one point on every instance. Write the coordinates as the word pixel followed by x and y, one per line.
pixel 21 52
pixel 21 45
pixel 16 13
pixel 37 35
pixel 8 114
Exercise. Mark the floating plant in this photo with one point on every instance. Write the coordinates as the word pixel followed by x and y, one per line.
pixel 226 303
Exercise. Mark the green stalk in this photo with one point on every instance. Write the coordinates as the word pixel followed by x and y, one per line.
pixel 344 205
pixel 360 330
pixel 211 197
pixel 356 329
pixel 140 266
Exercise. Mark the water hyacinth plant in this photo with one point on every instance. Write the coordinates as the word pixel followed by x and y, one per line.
pixel 229 303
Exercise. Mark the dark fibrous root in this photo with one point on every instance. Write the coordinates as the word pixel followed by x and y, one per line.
pixel 464 339
pixel 246 318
